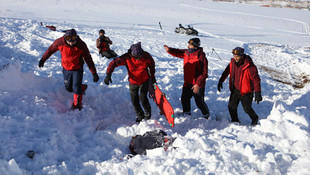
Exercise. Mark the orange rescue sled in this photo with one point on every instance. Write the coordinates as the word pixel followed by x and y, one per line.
pixel 162 103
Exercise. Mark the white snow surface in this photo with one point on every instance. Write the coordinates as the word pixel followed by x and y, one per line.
pixel 34 105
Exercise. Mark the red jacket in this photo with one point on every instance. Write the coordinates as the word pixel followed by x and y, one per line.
pixel 249 80
pixel 103 45
pixel 195 66
pixel 71 57
pixel 138 70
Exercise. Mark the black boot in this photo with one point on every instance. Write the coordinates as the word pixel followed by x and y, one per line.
pixel 234 115
pixel 254 120
pixel 140 117
pixel 147 115
pixel 206 116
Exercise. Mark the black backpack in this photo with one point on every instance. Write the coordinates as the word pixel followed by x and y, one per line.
pixel 150 140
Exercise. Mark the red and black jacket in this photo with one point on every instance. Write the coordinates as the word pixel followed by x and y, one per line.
pixel 139 70
pixel 195 66
pixel 103 44
pixel 72 58
pixel 249 80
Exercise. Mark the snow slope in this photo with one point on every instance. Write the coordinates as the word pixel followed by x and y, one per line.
pixel 34 112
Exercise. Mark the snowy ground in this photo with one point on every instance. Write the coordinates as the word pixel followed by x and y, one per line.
pixel 34 112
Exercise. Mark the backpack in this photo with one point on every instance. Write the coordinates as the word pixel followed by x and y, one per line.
pixel 150 140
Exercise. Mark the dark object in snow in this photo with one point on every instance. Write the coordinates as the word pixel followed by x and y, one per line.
pixel 160 26
pixel 150 140
pixel 30 154
pixel 53 28
pixel 187 31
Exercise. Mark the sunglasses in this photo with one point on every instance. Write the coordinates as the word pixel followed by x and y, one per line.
pixel 71 38
pixel 236 52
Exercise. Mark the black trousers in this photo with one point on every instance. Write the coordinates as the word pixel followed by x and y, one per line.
pixel 187 94
pixel 109 54
pixel 246 101
pixel 136 98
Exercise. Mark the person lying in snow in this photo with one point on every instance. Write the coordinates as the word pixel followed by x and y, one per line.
pixel 150 140
pixel 103 44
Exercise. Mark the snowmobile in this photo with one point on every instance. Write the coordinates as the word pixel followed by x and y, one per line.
pixel 187 31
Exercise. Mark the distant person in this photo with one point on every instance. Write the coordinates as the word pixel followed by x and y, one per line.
pixel 243 82
pixel 141 69
pixel 103 44
pixel 195 75
pixel 74 52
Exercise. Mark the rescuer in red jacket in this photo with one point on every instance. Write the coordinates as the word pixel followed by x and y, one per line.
pixel 141 69
pixel 195 75
pixel 103 44
pixel 74 52
pixel 243 82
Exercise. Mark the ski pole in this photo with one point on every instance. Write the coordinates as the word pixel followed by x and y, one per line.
pixel 160 26
pixel 216 54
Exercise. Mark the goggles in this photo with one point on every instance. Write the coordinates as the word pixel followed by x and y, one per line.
pixel 236 52
pixel 137 56
pixel 70 38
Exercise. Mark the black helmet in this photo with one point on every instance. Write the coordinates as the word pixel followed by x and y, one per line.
pixel 238 51
pixel 101 31
pixel 195 42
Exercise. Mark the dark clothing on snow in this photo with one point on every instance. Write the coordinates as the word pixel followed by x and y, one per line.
pixel 246 101
pixel 187 94
pixel 109 54
pixel 136 99
pixel 150 140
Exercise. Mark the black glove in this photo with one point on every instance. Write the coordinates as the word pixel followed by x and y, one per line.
pixel 153 80
pixel 258 97
pixel 220 86
pixel 41 63
pixel 95 77
pixel 102 39
pixel 108 79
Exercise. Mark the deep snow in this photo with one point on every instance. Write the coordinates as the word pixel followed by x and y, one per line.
pixel 34 106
